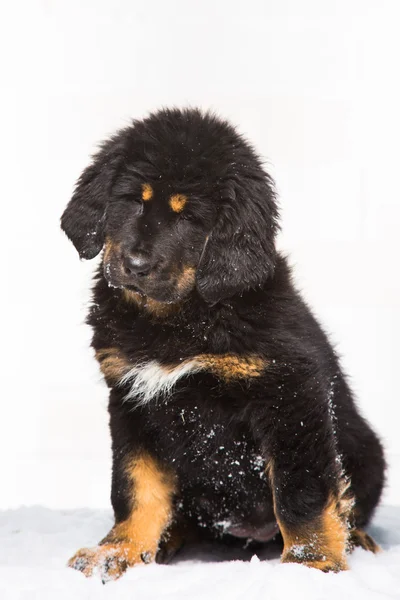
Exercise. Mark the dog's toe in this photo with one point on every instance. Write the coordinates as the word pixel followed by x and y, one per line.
pixel 83 561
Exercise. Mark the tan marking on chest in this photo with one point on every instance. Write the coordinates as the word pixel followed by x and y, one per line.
pixel 232 366
pixel 150 379
pixel 113 364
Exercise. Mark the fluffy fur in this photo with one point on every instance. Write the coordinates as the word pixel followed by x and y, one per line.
pixel 227 401
pixel 149 380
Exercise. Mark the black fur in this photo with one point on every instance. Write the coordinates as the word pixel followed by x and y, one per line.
pixel 216 435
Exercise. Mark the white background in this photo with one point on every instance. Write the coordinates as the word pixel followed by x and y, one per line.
pixel 314 84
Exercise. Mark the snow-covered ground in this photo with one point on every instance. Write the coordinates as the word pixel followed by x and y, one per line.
pixel 36 542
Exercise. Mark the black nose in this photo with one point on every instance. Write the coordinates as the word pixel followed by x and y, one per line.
pixel 137 264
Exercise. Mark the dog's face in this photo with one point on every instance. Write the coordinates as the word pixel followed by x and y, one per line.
pixel 154 237
pixel 179 201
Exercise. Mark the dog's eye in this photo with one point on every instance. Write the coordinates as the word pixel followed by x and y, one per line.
pixel 135 203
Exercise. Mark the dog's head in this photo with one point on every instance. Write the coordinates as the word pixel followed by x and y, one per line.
pixel 178 200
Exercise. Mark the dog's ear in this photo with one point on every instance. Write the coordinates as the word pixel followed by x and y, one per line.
pixel 84 218
pixel 240 253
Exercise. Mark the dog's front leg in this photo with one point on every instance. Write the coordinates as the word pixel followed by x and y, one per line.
pixel 142 498
pixel 312 500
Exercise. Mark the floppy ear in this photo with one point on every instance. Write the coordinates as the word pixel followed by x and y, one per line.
pixel 240 253
pixel 83 219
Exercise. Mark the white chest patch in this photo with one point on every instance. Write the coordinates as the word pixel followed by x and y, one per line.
pixel 150 379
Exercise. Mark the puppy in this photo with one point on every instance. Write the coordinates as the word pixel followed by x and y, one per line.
pixel 229 412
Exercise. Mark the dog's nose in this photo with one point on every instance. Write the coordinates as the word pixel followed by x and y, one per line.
pixel 137 264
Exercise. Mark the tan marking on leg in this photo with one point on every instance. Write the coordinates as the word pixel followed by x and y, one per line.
pixel 321 543
pixel 147 192
pixel 345 499
pixel 268 468
pixel 172 541
pixel 153 490
pixel 177 202
pixel 135 540
pixel 113 364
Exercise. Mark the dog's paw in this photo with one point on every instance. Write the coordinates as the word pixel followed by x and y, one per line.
pixel 108 561
pixel 359 538
pixel 322 563
pixel 327 566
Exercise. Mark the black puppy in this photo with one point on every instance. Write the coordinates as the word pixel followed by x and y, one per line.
pixel 229 412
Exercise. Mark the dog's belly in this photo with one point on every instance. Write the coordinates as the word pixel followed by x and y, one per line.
pixel 224 503
pixel 261 533
pixel 224 484
pixel 238 514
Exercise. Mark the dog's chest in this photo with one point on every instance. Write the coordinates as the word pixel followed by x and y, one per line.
pixel 206 443
pixel 151 379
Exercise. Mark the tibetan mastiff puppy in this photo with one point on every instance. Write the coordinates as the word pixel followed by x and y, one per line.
pixel 229 412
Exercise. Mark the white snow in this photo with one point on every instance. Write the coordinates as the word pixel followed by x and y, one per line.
pixel 35 543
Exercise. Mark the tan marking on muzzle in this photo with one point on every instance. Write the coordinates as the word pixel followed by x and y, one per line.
pixel 186 280
pixel 109 248
pixel 155 308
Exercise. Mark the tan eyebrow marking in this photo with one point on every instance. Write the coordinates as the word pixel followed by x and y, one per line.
pixel 147 191
pixel 177 202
